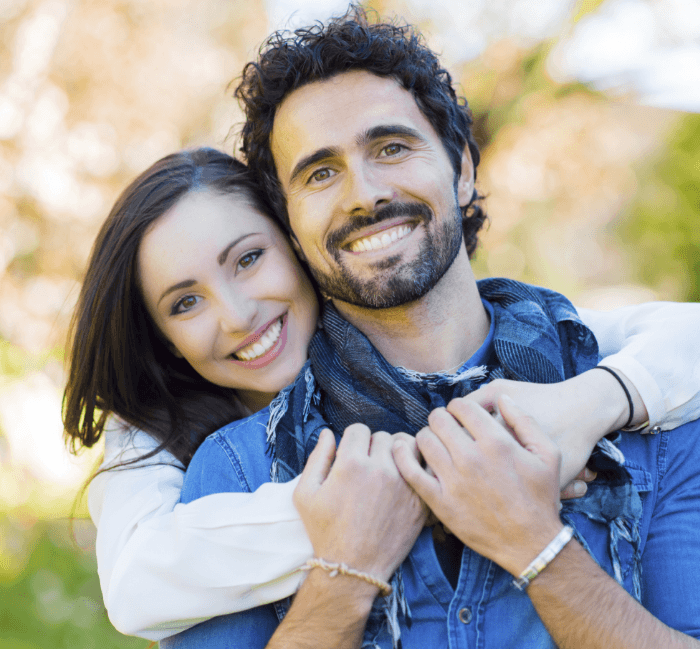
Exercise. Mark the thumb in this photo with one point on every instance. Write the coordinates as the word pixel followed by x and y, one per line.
pixel 319 463
pixel 526 430
pixel 410 442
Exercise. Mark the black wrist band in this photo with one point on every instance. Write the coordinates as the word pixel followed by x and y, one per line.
pixel 624 387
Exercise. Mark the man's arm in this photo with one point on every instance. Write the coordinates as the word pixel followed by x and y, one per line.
pixel 359 512
pixel 516 516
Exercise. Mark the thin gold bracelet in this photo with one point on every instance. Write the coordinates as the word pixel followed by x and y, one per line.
pixel 341 569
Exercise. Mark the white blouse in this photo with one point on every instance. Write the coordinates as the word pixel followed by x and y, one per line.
pixel 165 566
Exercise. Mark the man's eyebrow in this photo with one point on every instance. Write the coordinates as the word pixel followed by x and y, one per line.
pixel 312 159
pixel 388 130
pixel 224 253
pixel 176 287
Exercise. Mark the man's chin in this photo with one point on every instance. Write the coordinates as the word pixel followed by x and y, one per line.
pixel 379 294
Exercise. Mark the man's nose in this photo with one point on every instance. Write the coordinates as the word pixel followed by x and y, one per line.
pixel 365 190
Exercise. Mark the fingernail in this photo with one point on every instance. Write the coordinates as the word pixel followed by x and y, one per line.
pixel 509 401
pixel 579 487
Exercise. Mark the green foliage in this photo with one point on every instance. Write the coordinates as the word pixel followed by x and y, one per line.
pixel 54 599
pixel 660 227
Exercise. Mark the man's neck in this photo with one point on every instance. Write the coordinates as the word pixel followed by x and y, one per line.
pixel 437 333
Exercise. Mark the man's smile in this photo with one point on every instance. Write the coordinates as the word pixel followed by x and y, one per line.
pixel 381 239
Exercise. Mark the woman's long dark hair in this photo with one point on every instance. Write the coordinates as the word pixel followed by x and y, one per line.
pixel 119 364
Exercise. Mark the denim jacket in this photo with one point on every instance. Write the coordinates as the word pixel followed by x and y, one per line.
pixel 486 610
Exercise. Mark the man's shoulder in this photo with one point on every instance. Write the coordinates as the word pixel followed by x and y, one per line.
pixel 668 455
pixel 235 458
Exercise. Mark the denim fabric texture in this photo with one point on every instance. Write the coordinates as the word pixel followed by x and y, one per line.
pixel 486 611
pixel 535 336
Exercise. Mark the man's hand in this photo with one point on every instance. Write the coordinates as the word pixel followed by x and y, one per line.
pixel 499 494
pixel 358 510
pixel 575 413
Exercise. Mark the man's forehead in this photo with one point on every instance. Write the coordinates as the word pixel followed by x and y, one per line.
pixel 323 113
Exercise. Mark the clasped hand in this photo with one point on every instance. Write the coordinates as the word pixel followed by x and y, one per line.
pixel 365 503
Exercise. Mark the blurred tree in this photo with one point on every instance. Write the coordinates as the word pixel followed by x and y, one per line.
pixel 660 227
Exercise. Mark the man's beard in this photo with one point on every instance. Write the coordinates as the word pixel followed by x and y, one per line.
pixel 394 283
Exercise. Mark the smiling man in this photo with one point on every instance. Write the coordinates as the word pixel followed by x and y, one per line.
pixel 366 150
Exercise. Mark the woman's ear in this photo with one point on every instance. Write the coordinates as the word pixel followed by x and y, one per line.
pixel 465 182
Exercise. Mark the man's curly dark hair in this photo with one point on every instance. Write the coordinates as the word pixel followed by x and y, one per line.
pixel 290 60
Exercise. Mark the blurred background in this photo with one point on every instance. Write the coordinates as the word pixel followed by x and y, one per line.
pixel 586 111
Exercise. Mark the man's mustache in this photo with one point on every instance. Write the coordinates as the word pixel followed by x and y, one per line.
pixel 390 211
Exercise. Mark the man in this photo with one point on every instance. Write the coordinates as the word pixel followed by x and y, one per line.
pixel 362 143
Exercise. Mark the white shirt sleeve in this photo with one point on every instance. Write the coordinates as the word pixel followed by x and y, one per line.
pixel 165 566
pixel 656 346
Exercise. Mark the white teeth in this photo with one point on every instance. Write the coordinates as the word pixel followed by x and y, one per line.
pixel 261 346
pixel 381 240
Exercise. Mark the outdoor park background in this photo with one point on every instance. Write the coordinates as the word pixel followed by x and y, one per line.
pixel 595 195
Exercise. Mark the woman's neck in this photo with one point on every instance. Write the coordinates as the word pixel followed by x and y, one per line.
pixel 253 401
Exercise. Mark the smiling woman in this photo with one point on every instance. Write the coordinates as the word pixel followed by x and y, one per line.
pixel 194 310
pixel 224 288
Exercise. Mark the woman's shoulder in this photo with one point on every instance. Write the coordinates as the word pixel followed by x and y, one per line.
pixel 125 444
pixel 235 458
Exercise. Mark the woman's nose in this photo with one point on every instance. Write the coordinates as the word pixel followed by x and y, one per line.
pixel 239 316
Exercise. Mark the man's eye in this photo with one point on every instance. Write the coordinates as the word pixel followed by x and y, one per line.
pixel 247 260
pixel 321 175
pixel 184 304
pixel 391 150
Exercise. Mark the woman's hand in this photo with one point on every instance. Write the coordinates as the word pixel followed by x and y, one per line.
pixel 575 414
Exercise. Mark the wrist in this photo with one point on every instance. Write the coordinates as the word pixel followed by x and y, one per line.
pixel 335 569
pixel 544 558
pixel 354 597
pixel 529 547
pixel 612 407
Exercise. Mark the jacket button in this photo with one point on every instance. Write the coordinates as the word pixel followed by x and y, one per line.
pixel 465 615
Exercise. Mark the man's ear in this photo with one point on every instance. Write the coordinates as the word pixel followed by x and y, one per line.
pixel 296 246
pixel 465 182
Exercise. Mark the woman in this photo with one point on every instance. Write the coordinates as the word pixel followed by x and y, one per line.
pixel 195 312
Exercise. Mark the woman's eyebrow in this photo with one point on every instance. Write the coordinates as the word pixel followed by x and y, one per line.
pixel 224 253
pixel 176 287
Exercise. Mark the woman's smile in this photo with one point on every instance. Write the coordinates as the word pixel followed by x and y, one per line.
pixel 264 347
pixel 225 289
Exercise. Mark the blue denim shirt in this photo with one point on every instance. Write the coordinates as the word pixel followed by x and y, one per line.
pixel 486 610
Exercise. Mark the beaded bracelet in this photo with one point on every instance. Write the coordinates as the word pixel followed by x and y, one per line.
pixel 341 569
pixel 544 558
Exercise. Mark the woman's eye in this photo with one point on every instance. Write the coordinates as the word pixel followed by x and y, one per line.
pixel 184 304
pixel 391 150
pixel 247 260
